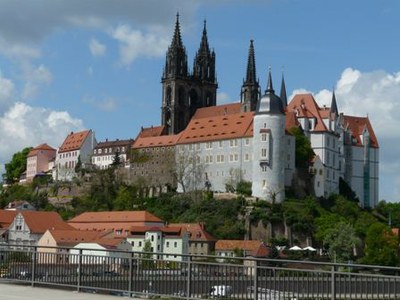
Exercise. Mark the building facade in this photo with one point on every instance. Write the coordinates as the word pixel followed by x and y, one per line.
pixel 38 161
pixel 104 153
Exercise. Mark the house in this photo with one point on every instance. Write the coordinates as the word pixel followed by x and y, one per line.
pixel 237 248
pixel 101 251
pixel 119 222
pixel 172 241
pixel 200 241
pixel 28 227
pixel 105 152
pixel 62 241
pixel 39 161
pixel 19 205
pixel 76 147
pixel 6 219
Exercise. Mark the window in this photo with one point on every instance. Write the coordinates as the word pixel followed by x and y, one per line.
pixel 220 144
pixel 233 143
pixel 263 152
pixel 140 244
pixel 175 244
pixel 246 157
pixel 209 145
pixel 105 150
pixel 133 244
pixel 152 238
pixel 247 142
pixel 264 168
pixel 264 137
pixel 264 183
pixel 167 244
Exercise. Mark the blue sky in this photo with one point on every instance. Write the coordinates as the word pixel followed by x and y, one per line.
pixel 68 64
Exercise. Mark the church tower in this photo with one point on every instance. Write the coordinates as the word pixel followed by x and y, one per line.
pixel 269 147
pixel 182 92
pixel 250 92
pixel 204 90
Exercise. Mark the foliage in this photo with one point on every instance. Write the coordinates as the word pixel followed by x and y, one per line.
pixel 147 256
pixel 78 166
pixel 304 152
pixel 390 211
pixel 341 240
pixel 16 166
pixel 116 160
pixel 244 188
pixel 346 191
pixel 381 246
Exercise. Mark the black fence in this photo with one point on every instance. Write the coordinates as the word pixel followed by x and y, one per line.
pixel 134 274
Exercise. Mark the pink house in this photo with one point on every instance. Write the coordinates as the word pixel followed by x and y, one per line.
pixel 38 160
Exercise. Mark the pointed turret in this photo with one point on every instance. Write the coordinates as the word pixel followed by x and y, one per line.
pixel 283 92
pixel 250 92
pixel 176 39
pixel 270 103
pixel 334 109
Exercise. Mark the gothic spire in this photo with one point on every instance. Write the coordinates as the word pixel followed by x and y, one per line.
pixel 204 61
pixel 204 49
pixel 334 109
pixel 251 65
pixel 270 89
pixel 177 40
pixel 283 92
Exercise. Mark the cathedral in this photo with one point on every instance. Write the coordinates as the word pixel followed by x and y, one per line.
pixel 209 146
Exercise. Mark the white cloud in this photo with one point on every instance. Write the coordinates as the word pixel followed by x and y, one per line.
pixel 96 48
pixel 35 77
pixel 374 94
pixel 223 98
pixel 134 43
pixel 23 125
pixel 7 92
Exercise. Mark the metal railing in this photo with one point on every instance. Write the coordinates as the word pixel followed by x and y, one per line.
pixel 135 274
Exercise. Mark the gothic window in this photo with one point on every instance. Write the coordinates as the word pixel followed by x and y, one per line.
pixel 169 96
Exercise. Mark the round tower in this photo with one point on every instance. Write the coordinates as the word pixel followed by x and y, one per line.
pixel 268 147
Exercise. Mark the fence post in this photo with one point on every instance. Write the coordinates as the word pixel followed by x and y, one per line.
pixel 189 277
pixel 130 274
pixel 33 266
pixel 333 282
pixel 79 271
pixel 255 280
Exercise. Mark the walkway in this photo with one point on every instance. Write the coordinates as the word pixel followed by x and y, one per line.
pixel 10 291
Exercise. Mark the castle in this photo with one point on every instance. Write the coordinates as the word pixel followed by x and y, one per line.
pixel 214 146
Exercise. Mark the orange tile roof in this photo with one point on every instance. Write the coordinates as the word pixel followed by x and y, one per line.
pixel 220 110
pixel 74 141
pixel 41 147
pixel 291 120
pixel 115 217
pixel 356 126
pixel 169 230
pixel 305 106
pixel 228 245
pixel 156 141
pixel 230 126
pixel 196 231
pixel 40 221
pixel 152 131
pixel 74 236
pixel 7 217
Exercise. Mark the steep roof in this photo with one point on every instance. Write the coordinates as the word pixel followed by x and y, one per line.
pixel 40 221
pixel 73 236
pixel 305 106
pixel 41 147
pixel 228 245
pixel 196 231
pixel 74 141
pixel 152 131
pixel 7 217
pixel 115 217
pixel 167 230
pixel 219 110
pixel 156 141
pixel 114 143
pixel 357 125
pixel 229 126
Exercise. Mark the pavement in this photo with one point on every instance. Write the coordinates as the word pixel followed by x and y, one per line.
pixel 9 291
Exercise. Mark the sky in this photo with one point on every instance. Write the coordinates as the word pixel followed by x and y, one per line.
pixel 68 65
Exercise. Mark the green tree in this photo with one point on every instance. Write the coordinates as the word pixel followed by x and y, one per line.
pixel 78 166
pixel 147 256
pixel 126 198
pixel 341 240
pixel 16 166
pixel 304 152
pixel 381 246
pixel 244 188
pixel 116 160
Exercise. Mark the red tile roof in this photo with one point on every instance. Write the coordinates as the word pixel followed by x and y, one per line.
pixel 220 110
pixel 230 126
pixel 230 245
pixel 305 106
pixel 357 126
pixel 74 236
pixel 157 141
pixel 40 221
pixel 196 231
pixel 168 230
pixel 74 141
pixel 152 131
pixel 41 147
pixel 7 217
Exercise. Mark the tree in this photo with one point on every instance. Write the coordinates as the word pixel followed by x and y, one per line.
pixel 16 166
pixel 78 166
pixel 189 171
pixel 147 257
pixel 304 152
pixel 341 241
pixel 244 188
pixel 116 160
pixel 381 246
